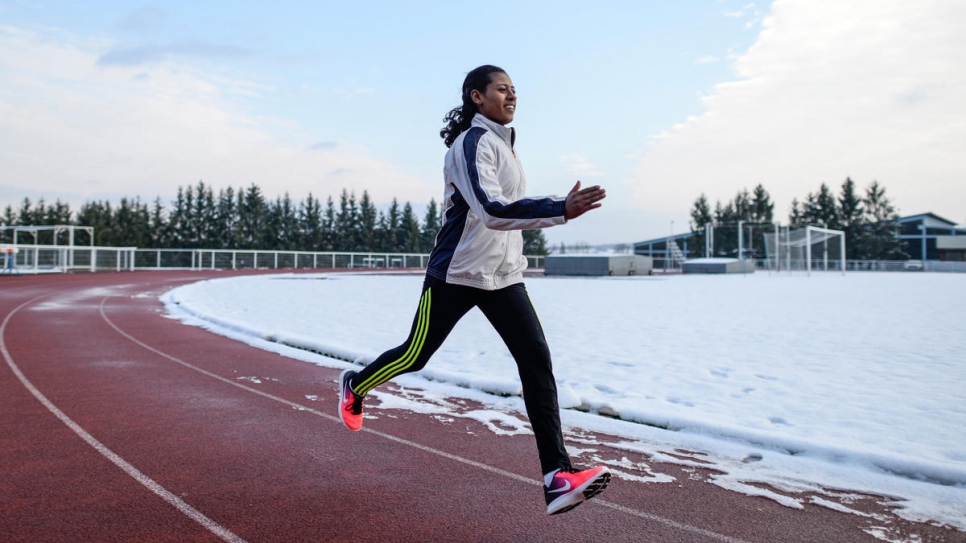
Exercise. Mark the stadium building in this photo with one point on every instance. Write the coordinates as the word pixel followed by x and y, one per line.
pixel 930 237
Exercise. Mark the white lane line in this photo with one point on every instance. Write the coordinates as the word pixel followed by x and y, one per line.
pixel 627 510
pixel 178 503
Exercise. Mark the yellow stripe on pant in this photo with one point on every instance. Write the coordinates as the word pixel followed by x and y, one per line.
pixel 412 353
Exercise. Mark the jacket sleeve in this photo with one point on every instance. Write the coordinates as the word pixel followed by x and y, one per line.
pixel 485 197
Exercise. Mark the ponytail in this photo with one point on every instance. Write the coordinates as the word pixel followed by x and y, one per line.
pixel 458 120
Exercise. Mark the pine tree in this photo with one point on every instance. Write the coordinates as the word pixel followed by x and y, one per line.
pixel 328 226
pixel 700 220
pixel 391 231
pixel 408 230
pixel 366 232
pixel 25 215
pixel 431 226
pixel 310 221
pixel 225 231
pixel 346 223
pixel 796 217
pixel 8 219
pixel 100 217
pixel 176 219
pixel 40 213
pixel 725 229
pixel 821 209
pixel 881 241
pixel 288 234
pixel 156 225
pixel 700 213
pixel 850 218
pixel 762 207
pixel 189 224
pixel 743 207
pixel 251 217
pixel 270 236
pixel 534 243
pixel 124 232
pixel 204 216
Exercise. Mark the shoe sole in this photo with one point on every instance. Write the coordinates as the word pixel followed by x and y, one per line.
pixel 590 490
pixel 342 378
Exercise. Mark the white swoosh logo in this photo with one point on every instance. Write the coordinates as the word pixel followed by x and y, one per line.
pixel 565 488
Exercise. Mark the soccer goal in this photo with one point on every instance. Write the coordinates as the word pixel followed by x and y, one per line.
pixel 806 249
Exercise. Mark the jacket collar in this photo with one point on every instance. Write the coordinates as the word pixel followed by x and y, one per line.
pixel 508 134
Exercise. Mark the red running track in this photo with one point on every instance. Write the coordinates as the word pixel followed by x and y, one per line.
pixel 119 424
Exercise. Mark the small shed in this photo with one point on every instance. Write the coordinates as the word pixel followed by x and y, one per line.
pixel 598 265
pixel 718 265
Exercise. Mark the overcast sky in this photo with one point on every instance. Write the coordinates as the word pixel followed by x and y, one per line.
pixel 657 101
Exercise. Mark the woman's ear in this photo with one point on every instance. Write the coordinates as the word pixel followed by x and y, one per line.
pixel 477 97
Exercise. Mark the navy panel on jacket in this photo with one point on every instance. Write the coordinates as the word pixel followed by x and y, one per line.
pixel 448 237
pixel 521 209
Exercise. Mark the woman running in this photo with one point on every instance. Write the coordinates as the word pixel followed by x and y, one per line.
pixel 478 261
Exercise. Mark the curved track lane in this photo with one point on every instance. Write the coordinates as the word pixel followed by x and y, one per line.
pixel 120 424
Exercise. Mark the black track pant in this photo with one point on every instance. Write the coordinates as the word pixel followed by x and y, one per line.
pixel 511 313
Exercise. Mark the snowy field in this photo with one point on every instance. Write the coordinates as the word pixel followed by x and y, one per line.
pixel 854 382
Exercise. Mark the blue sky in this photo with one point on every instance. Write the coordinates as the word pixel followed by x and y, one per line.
pixel 657 101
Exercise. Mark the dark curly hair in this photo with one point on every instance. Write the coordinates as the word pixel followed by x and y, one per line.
pixel 458 119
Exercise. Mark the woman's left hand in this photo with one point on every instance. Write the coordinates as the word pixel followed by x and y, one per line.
pixel 580 201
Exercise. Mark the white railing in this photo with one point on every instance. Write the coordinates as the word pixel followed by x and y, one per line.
pixel 65 258
pixel 236 259
pixel 871 265
pixel 939 266
pixel 62 259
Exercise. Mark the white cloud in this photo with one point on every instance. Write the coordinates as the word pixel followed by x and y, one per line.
pixel 75 129
pixel 579 166
pixel 871 89
pixel 745 10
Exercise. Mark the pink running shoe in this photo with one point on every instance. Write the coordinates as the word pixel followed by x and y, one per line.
pixel 571 488
pixel 350 403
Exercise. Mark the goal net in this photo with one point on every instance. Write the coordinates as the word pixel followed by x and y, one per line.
pixel 806 249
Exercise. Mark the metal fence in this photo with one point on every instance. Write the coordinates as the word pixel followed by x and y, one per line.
pixel 54 259
pixel 662 265
pixel 871 265
pixel 63 258
pixel 236 259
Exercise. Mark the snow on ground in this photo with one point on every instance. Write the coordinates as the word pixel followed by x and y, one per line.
pixel 803 383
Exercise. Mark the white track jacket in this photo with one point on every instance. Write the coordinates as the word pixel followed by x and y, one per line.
pixel 484 209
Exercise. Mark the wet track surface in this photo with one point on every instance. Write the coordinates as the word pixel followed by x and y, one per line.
pixel 120 424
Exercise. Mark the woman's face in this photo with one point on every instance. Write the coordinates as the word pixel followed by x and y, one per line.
pixel 499 102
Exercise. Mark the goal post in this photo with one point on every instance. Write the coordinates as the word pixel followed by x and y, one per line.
pixel 806 249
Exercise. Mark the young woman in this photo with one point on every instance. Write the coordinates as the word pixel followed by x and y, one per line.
pixel 478 261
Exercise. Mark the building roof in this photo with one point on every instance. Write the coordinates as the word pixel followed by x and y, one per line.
pixel 930 219
pixel 662 239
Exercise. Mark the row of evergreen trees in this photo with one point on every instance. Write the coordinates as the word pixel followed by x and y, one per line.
pixel 245 219
pixel 868 221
